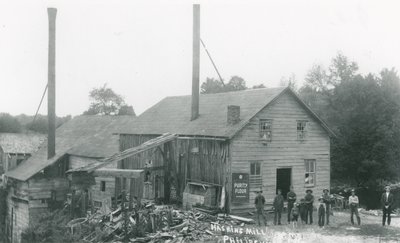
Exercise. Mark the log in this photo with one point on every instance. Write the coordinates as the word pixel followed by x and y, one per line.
pixel 246 220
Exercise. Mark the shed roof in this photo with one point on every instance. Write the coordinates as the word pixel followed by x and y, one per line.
pixel 21 143
pixel 172 114
pixel 89 136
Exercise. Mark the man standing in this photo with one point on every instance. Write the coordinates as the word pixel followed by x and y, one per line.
pixel 259 203
pixel 291 197
pixel 309 200
pixel 327 200
pixel 353 202
pixel 387 202
pixel 278 207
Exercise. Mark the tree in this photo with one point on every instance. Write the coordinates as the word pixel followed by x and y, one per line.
pixel 9 124
pixel 289 81
pixel 40 124
pixel 212 86
pixel 126 110
pixel 258 86
pixel 104 101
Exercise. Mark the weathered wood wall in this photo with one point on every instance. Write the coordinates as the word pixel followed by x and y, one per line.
pixel 188 159
pixel 284 151
pixel 95 193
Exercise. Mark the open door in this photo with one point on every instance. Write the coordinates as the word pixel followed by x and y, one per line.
pixel 283 180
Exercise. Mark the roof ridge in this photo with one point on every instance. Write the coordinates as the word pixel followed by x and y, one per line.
pixel 229 92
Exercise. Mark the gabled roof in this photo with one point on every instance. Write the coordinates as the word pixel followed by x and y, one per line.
pixel 172 114
pixel 21 143
pixel 89 136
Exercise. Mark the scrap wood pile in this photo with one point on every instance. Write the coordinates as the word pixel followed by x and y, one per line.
pixel 152 223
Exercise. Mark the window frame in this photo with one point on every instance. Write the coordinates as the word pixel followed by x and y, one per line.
pixel 308 171
pixel 301 134
pixel 255 179
pixel 102 186
pixel 263 131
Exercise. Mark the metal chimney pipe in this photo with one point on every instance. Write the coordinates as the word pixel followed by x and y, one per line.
pixel 196 61
pixel 51 82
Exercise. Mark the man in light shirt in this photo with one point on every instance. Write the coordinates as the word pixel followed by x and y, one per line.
pixel 387 202
pixel 353 202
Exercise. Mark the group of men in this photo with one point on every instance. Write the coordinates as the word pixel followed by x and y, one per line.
pixel 305 207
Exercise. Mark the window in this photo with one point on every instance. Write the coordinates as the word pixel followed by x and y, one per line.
pixel 255 175
pixel 301 130
pixel 102 186
pixel 266 129
pixel 310 172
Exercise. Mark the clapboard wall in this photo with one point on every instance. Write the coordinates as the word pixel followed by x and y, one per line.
pixel 284 151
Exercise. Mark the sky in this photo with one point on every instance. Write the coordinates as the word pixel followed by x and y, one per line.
pixel 143 49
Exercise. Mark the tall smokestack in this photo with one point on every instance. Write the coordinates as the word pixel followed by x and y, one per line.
pixel 196 61
pixel 51 82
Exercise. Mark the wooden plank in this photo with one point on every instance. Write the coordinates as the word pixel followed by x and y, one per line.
pixel 118 173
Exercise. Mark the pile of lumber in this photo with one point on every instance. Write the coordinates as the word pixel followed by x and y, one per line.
pixel 154 223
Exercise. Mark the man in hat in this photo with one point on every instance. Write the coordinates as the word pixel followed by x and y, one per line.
pixel 327 199
pixel 309 200
pixel 353 202
pixel 291 197
pixel 278 207
pixel 387 202
pixel 259 203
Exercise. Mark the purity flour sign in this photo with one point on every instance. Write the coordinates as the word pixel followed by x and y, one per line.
pixel 240 187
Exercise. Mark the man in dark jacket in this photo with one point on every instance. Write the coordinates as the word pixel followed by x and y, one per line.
pixel 309 200
pixel 291 198
pixel 387 202
pixel 327 199
pixel 259 203
pixel 278 207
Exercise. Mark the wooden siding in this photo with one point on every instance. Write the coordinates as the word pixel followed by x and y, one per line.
pixel 17 217
pixel 95 192
pixel 284 151
pixel 189 159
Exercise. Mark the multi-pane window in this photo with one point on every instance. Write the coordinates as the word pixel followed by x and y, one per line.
pixel 301 130
pixel 310 172
pixel 255 175
pixel 266 129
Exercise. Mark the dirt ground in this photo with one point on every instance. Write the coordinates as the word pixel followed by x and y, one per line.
pixel 340 230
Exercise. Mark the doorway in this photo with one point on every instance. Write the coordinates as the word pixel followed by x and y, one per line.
pixel 283 180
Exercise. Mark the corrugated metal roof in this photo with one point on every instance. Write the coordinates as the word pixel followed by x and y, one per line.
pixel 21 143
pixel 89 136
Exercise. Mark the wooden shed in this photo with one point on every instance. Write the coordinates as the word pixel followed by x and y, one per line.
pixel 39 183
pixel 261 138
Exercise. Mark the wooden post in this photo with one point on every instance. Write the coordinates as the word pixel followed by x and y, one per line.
pixel 51 93
pixel 72 209
pixel 196 61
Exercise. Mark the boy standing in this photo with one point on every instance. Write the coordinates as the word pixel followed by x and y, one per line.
pixel 353 202
pixel 387 202
pixel 321 212
pixel 278 207
pixel 291 197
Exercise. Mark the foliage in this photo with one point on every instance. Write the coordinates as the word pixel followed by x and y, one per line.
pixel 289 82
pixel 104 101
pixel 126 110
pixel 236 83
pixel 9 123
pixel 364 112
pixel 50 227
pixel 40 124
